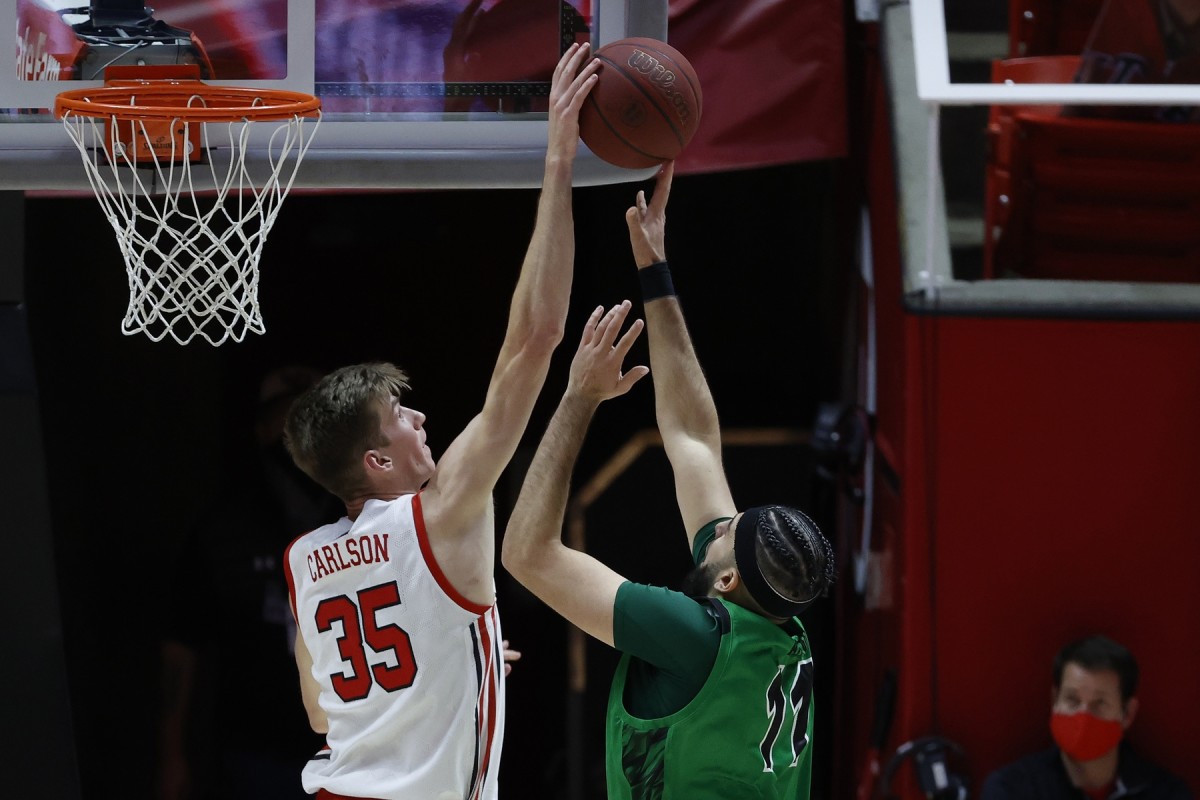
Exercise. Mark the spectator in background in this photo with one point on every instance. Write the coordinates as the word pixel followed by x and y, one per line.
pixel 1143 41
pixel 231 726
pixel 1093 703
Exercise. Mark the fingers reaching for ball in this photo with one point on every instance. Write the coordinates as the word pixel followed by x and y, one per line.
pixel 574 77
pixel 647 221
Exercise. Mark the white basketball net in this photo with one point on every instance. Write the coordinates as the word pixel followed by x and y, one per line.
pixel 192 233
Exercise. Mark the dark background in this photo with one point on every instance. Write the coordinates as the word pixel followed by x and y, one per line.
pixel 139 435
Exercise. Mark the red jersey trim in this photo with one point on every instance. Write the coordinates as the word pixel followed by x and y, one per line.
pixel 431 562
pixel 486 704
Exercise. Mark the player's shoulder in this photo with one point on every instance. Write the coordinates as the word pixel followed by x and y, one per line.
pixel 661 604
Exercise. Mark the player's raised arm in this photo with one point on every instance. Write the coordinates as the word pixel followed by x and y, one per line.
pixel 574 584
pixel 461 490
pixel 683 402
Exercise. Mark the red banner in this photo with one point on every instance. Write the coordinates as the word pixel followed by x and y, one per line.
pixel 773 76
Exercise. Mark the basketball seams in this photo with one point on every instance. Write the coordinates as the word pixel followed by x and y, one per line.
pixel 619 136
pixel 666 113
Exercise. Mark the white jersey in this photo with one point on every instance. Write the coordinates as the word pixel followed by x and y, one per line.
pixel 411 672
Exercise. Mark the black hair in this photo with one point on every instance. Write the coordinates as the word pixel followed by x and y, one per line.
pixel 793 555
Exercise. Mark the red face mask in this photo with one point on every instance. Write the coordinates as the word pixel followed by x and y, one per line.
pixel 1084 737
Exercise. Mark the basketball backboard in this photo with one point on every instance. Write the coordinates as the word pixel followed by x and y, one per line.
pixel 415 93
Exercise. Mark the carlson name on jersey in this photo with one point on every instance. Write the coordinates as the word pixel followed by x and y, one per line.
pixel 344 554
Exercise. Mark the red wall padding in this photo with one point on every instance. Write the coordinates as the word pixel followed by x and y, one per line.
pixel 1062 470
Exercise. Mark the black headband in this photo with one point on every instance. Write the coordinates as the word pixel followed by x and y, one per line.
pixel 746 559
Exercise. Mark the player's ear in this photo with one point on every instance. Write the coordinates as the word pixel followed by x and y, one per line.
pixel 727 580
pixel 375 461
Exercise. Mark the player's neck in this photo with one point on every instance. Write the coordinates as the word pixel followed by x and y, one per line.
pixel 355 505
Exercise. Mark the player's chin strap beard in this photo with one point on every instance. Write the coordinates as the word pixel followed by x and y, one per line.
pixel 746 559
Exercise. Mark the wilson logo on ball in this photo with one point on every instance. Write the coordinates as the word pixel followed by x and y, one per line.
pixel 662 79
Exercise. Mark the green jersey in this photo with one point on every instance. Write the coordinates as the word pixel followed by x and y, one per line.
pixel 744 734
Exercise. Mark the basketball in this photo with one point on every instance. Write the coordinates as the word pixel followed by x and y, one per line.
pixel 645 106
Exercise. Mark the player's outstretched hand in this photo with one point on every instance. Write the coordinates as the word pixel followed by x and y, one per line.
pixel 648 221
pixel 573 79
pixel 596 369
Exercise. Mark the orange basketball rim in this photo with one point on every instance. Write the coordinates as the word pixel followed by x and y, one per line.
pixel 147 109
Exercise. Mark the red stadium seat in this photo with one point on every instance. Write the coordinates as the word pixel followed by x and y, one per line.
pixel 1001 122
pixel 1096 199
pixel 1088 199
